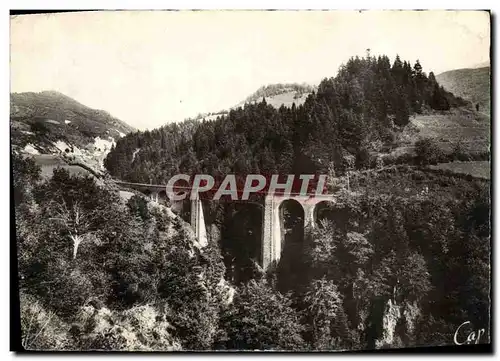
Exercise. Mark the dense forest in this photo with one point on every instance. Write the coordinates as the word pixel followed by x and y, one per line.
pixel 359 111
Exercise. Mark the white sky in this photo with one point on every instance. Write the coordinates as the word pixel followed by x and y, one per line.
pixel 152 67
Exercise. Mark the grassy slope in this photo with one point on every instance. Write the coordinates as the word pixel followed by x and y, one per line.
pixel 275 95
pixel 408 181
pixel 462 126
pixel 466 126
pixel 470 128
pixel 470 84
pixel 280 94
pixel 286 99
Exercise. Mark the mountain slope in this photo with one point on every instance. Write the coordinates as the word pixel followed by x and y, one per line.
pixel 470 84
pixel 484 64
pixel 52 123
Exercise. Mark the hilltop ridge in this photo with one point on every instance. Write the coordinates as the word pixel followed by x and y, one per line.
pixel 470 83
pixel 51 125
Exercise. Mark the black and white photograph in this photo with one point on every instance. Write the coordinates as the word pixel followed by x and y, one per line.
pixel 247 180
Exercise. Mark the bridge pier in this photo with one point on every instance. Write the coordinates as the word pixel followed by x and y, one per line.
pixel 309 220
pixel 271 232
pixel 198 222
pixel 267 233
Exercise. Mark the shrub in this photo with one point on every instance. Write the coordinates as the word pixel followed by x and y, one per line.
pixel 39 127
pixel 326 317
pixel 140 328
pixel 427 152
pixel 138 206
pixel 41 329
pixel 362 158
pixel 261 318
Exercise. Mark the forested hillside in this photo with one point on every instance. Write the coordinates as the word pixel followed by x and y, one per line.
pixel 96 273
pixel 360 111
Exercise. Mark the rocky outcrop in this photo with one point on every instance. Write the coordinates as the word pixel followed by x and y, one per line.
pixel 392 314
pixel 403 315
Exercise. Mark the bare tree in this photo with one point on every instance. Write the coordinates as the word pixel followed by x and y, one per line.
pixel 78 222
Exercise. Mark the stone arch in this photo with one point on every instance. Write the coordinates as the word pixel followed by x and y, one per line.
pixel 292 214
pixel 323 210
pixel 290 207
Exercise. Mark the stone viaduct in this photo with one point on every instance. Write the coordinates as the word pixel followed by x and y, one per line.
pixel 272 230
